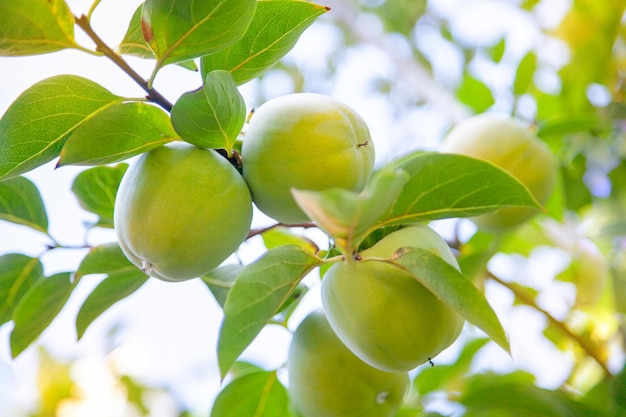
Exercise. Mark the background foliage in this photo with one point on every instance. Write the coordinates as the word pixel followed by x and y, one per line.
pixel 412 69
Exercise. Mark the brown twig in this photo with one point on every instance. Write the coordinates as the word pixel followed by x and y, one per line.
pixel 585 344
pixel 101 46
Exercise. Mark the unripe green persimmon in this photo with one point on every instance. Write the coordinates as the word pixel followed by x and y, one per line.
pixel 304 141
pixel 506 143
pixel 383 314
pixel 327 380
pixel 180 211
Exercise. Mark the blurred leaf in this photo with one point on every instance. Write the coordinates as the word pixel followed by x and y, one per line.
pixel 213 116
pixel 179 30
pixel 456 290
pixel 449 185
pixel 96 188
pixel 257 394
pixel 123 278
pixel 118 133
pixel 18 273
pixel 21 203
pixel 260 290
pixel 589 28
pixel 31 27
pixel 347 216
pixel 577 195
pixel 439 377
pixel 36 125
pixel 274 30
pixel 37 308
pixel 475 94
pixel 524 74
pixel 497 51
pixel 221 280
pixel 401 15
pixel 515 395
pixel 571 123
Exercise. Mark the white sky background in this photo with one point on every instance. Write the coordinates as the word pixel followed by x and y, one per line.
pixel 167 332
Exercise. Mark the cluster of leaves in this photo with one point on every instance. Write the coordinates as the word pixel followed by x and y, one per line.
pixel 230 43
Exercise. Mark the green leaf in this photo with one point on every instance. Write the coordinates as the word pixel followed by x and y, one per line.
pixel 221 280
pixel 179 30
pixel 497 51
pixel 450 185
pixel 36 125
pixel 347 216
pixel 134 44
pixel 211 117
pixel 118 133
pixel 279 236
pixel 443 377
pixel 21 203
pixel 456 290
pixel 31 27
pixel 274 31
pixel 37 308
pixel 96 188
pixel 18 273
pixel 260 290
pixel 475 94
pixel 257 394
pixel 525 72
pixel 514 395
pixel 123 278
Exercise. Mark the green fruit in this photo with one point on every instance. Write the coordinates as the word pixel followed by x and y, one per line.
pixel 506 143
pixel 327 380
pixel 382 313
pixel 180 211
pixel 308 142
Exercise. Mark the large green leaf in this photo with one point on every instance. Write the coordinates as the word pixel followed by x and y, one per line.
pixel 96 188
pixel 275 29
pixel 455 290
pixel 260 290
pixel 347 216
pixel 450 185
pixel 178 30
pixel 21 203
pixel 255 394
pixel 134 43
pixel 123 278
pixel 30 27
pixel 221 280
pixel 37 308
pixel 18 273
pixel 211 117
pixel 36 125
pixel 118 133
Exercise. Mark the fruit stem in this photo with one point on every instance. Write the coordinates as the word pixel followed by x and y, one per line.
pixel 585 344
pixel 153 95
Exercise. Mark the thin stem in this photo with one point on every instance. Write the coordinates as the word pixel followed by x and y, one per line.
pixel 583 343
pixel 92 8
pixel 101 46
pixel 262 230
